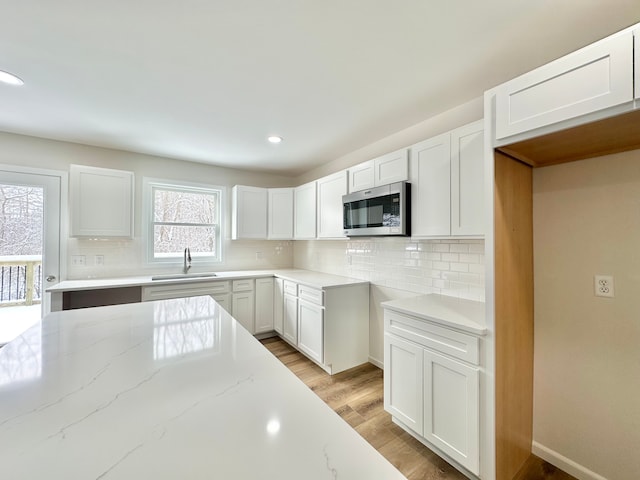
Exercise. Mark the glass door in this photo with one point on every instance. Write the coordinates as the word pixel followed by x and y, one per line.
pixel 29 247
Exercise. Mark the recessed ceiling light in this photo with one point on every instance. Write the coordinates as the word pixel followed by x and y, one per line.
pixel 274 139
pixel 6 77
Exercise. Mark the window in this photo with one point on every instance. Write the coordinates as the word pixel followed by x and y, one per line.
pixel 181 216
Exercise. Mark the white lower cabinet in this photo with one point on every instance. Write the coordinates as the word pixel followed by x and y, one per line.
pixel 224 300
pixel 311 330
pixel 431 393
pixel 329 325
pixel 243 303
pixel 451 406
pixel 290 327
pixel 264 305
pixel 278 305
pixel 403 381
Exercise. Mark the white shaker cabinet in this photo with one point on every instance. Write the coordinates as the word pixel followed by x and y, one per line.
pixel 278 305
pixel 432 385
pixel 431 187
pixel 467 180
pixel 242 303
pixel 361 176
pixel 290 326
pixel 330 191
pixel 588 80
pixel 447 184
pixel 304 205
pixel 389 168
pixel 311 330
pixel 248 212
pixel 264 306
pixel 280 214
pixel 403 366
pixel 101 202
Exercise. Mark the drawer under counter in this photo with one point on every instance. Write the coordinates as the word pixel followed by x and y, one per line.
pixel 445 340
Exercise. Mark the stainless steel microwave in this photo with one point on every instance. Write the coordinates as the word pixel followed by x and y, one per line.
pixel 378 211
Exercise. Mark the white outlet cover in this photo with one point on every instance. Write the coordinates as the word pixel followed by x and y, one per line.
pixel 603 285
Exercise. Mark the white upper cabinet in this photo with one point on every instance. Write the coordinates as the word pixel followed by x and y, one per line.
pixel 280 214
pixel 304 205
pixel 431 187
pixel 101 202
pixel 330 192
pixel 361 176
pixel 447 184
pixel 249 212
pixel 467 180
pixel 389 168
pixel 589 80
pixel 392 167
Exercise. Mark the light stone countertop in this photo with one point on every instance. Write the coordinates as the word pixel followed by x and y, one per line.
pixel 458 313
pixel 305 277
pixel 165 390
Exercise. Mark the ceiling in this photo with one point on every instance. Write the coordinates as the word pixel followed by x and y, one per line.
pixel 209 80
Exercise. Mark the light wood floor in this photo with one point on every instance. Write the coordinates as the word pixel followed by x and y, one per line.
pixel 357 396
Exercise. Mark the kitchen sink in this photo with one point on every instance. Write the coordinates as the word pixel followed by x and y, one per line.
pixel 176 276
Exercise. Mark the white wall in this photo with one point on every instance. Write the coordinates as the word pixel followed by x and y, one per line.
pixel 125 257
pixel 587 348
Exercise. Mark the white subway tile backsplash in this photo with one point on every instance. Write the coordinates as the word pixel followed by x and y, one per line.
pixel 449 267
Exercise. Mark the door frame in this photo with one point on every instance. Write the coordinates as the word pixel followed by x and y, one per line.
pixel 63 178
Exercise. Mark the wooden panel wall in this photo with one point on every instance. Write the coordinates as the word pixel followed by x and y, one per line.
pixel 514 314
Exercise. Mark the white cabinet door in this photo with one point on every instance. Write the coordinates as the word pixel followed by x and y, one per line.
pixel 101 202
pixel 249 212
pixel 224 300
pixel 591 79
pixel 403 392
pixel 278 306
pixel 280 214
pixel 330 192
pixel 392 167
pixel 467 180
pixel 304 206
pixel 242 309
pixel 311 330
pixel 290 326
pixel 451 406
pixel 264 305
pixel 431 187
pixel 361 176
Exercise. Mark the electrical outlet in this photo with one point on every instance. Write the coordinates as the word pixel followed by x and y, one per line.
pixel 98 260
pixel 604 286
pixel 78 260
pixel 258 255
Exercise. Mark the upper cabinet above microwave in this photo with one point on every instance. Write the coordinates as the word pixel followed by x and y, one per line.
pixel 593 79
pixel 389 168
pixel 101 202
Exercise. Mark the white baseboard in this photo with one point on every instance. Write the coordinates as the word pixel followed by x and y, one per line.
pixel 376 362
pixel 564 463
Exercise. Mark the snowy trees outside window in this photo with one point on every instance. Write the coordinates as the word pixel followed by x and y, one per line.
pixel 183 217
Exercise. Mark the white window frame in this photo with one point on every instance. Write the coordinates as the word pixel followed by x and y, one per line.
pixel 148 187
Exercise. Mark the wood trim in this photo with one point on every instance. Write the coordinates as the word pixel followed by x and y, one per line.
pixel 604 137
pixel 513 314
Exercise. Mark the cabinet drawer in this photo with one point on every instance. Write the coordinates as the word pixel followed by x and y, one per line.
pixel 162 292
pixel 291 288
pixel 312 295
pixel 245 285
pixel 444 340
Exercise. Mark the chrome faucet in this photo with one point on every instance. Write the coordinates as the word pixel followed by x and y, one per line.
pixel 187 260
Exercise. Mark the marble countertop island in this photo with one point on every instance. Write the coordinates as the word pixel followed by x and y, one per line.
pixel 172 389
